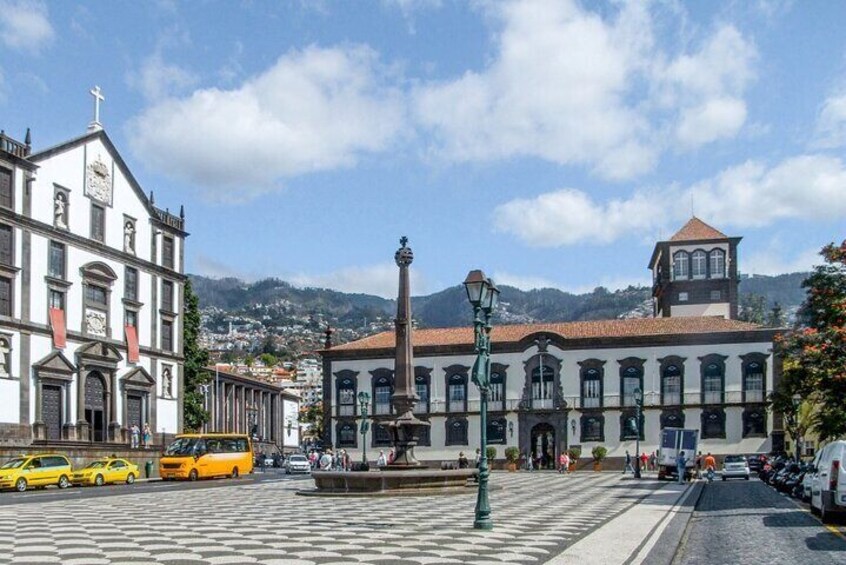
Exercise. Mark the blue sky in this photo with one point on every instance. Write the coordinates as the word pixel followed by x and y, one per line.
pixel 548 143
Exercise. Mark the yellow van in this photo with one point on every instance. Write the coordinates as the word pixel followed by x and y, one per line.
pixel 198 456
pixel 35 471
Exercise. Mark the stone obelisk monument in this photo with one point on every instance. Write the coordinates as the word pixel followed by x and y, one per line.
pixel 405 428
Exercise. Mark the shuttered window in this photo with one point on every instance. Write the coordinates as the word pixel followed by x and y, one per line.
pixel 5 296
pixel 5 188
pixel 98 223
pixel 167 335
pixel 167 252
pixel 131 284
pixel 6 245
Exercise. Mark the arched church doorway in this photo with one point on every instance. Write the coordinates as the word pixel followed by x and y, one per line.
pixel 95 406
pixel 543 446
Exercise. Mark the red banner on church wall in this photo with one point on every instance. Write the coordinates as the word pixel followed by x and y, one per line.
pixel 57 322
pixel 132 344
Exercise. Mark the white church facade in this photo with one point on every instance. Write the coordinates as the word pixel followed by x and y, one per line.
pixel 91 297
pixel 561 385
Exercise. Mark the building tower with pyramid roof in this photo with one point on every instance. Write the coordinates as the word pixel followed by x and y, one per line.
pixel 694 273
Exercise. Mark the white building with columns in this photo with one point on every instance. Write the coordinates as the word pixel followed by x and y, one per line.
pixel 91 296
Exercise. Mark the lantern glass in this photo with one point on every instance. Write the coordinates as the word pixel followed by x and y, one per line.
pixel 476 285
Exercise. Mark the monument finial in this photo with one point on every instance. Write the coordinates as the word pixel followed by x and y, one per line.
pixel 404 241
pixel 98 97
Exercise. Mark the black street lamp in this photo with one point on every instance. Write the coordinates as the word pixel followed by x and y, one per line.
pixel 638 398
pixel 363 402
pixel 483 296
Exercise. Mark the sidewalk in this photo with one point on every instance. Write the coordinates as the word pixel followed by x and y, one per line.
pixel 633 535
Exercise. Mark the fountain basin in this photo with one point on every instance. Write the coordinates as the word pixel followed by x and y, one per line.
pixel 391 483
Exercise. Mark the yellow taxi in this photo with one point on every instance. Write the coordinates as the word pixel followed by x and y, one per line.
pixel 39 470
pixel 104 471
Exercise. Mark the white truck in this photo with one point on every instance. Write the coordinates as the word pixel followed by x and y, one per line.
pixel 674 440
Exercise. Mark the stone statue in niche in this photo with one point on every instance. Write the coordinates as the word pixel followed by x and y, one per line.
pixel 167 384
pixel 4 358
pixel 60 211
pixel 129 237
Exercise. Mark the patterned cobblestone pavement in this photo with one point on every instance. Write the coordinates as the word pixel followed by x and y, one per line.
pixel 536 516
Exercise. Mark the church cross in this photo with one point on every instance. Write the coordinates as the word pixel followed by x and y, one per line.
pixel 98 97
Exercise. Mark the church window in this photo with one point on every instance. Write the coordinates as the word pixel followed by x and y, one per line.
pixel 56 299
pixel 591 388
pixel 130 291
pixel 5 188
pixel 131 318
pixel 98 222
pixel 5 296
pixel 671 386
pixel 167 296
pixel 56 261
pixel 698 264
pixel 167 252
pixel 457 390
pixel 680 265
pixel 753 382
pixel 167 335
pixel 717 265
pixel 95 294
pixel 456 431
pixel 6 245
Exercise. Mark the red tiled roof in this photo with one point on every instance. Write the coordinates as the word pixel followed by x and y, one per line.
pixel 696 229
pixel 573 330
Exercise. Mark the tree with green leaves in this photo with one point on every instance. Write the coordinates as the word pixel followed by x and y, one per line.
pixel 752 308
pixel 196 359
pixel 814 353
pixel 268 359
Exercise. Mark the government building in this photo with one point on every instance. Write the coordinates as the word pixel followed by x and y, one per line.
pixel 91 297
pixel 561 385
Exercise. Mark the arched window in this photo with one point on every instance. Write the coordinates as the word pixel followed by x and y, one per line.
pixel 671 385
pixel 713 379
pixel 713 424
pixel 755 422
pixel 629 428
pixel 591 387
pixel 753 381
pixel 681 269
pixel 457 392
pixel 593 428
pixel 421 387
pixel 381 436
pixel 346 396
pixel 346 434
pixel 717 264
pixel 699 264
pixel 496 430
pixel 456 431
pixel 382 390
pixel 497 399
pixel 631 378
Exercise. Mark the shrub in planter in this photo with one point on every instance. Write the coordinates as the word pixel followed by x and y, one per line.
pixel 575 453
pixel 599 452
pixel 512 455
pixel 490 452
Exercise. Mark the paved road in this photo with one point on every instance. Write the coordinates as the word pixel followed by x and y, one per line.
pixel 749 522
pixel 536 516
pixel 51 494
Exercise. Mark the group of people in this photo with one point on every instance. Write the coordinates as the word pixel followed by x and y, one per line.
pixel 647 462
pixel 330 460
pixel 136 436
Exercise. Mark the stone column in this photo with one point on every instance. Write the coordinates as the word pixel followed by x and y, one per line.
pixel 114 425
pixel 81 423
pixel 38 428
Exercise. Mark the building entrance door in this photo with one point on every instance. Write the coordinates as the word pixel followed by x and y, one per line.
pixel 51 411
pixel 95 406
pixel 543 446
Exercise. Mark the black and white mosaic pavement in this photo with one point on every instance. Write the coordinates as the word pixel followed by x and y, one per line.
pixel 536 516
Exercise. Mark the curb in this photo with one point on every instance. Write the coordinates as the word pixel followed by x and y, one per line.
pixel 671 539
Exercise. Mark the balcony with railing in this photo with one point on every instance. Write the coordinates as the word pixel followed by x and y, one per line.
pixel 14 147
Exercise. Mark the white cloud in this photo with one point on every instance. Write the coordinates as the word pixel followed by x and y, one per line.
pixel 747 195
pixel 523 282
pixel 25 25
pixel 772 261
pixel 567 85
pixel 529 282
pixel 313 110
pixel 206 266
pixel 380 280
pixel 831 123
pixel 157 79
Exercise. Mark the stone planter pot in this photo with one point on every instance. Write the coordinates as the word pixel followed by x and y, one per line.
pixel 572 467
pixel 511 466
pixel 597 466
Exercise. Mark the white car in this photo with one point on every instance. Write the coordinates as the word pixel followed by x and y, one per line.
pixel 828 485
pixel 735 467
pixel 808 479
pixel 297 464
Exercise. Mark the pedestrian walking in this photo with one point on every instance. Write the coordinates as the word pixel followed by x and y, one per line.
pixel 628 466
pixel 391 456
pixel 262 457
pixel 326 461
pixel 652 460
pixel 135 433
pixel 644 459
pixel 148 435
pixel 710 466
pixel 382 460
pixel 681 466
pixel 477 458
pixel 699 466
pixel 563 462
pixel 529 462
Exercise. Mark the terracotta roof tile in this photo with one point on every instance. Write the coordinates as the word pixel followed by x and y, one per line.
pixel 696 229
pixel 573 330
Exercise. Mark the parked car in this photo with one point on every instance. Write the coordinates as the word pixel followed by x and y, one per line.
pixel 297 463
pixel 40 470
pixel 809 477
pixel 755 462
pixel 104 471
pixel 735 467
pixel 828 487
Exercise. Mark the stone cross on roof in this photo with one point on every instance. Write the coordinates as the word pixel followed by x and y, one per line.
pixel 98 97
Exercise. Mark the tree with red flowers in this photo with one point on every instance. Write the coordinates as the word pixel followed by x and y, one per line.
pixel 814 353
